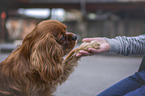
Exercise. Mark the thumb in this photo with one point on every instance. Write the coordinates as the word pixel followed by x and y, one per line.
pixel 88 39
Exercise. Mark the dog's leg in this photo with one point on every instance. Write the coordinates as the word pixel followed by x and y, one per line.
pixel 68 65
pixel 71 60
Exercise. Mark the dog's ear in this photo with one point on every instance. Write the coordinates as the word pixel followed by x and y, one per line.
pixel 46 59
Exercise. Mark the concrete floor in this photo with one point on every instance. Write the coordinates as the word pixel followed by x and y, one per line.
pixel 96 73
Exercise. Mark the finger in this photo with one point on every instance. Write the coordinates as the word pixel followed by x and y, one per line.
pixel 78 55
pixel 88 39
pixel 92 50
pixel 83 53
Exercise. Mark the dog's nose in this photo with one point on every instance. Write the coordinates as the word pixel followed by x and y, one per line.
pixel 74 37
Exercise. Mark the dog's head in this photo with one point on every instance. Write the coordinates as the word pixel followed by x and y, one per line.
pixel 53 33
pixel 45 47
pixel 58 34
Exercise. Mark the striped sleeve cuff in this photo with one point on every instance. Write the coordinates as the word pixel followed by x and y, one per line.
pixel 115 45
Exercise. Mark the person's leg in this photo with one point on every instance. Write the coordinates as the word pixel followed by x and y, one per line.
pixel 126 85
pixel 138 92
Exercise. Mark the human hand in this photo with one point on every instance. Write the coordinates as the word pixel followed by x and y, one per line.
pixel 104 47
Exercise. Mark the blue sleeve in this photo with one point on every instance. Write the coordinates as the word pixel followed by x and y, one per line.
pixel 127 45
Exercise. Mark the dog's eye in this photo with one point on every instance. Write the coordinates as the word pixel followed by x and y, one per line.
pixel 62 38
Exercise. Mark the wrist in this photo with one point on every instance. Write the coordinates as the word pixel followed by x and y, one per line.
pixel 114 45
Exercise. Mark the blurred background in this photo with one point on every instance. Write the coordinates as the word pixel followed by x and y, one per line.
pixel 86 18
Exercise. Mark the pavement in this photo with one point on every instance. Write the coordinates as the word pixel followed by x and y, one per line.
pixel 7 48
pixel 95 73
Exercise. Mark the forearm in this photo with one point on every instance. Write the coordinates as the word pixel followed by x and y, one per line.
pixel 127 45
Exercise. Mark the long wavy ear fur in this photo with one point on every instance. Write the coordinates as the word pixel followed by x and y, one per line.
pixel 46 59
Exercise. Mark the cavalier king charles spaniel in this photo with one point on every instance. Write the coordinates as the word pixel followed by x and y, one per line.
pixel 38 66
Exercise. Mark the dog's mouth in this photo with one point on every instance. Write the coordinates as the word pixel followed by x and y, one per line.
pixel 69 44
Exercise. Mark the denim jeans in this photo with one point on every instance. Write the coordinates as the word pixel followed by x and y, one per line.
pixel 131 86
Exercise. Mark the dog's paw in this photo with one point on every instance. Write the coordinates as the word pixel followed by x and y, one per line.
pixel 86 45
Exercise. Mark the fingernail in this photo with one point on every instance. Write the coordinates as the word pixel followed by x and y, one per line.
pixel 78 55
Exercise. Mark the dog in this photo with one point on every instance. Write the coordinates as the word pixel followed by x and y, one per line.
pixel 37 66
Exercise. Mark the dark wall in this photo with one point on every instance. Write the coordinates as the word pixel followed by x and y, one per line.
pixel 108 28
